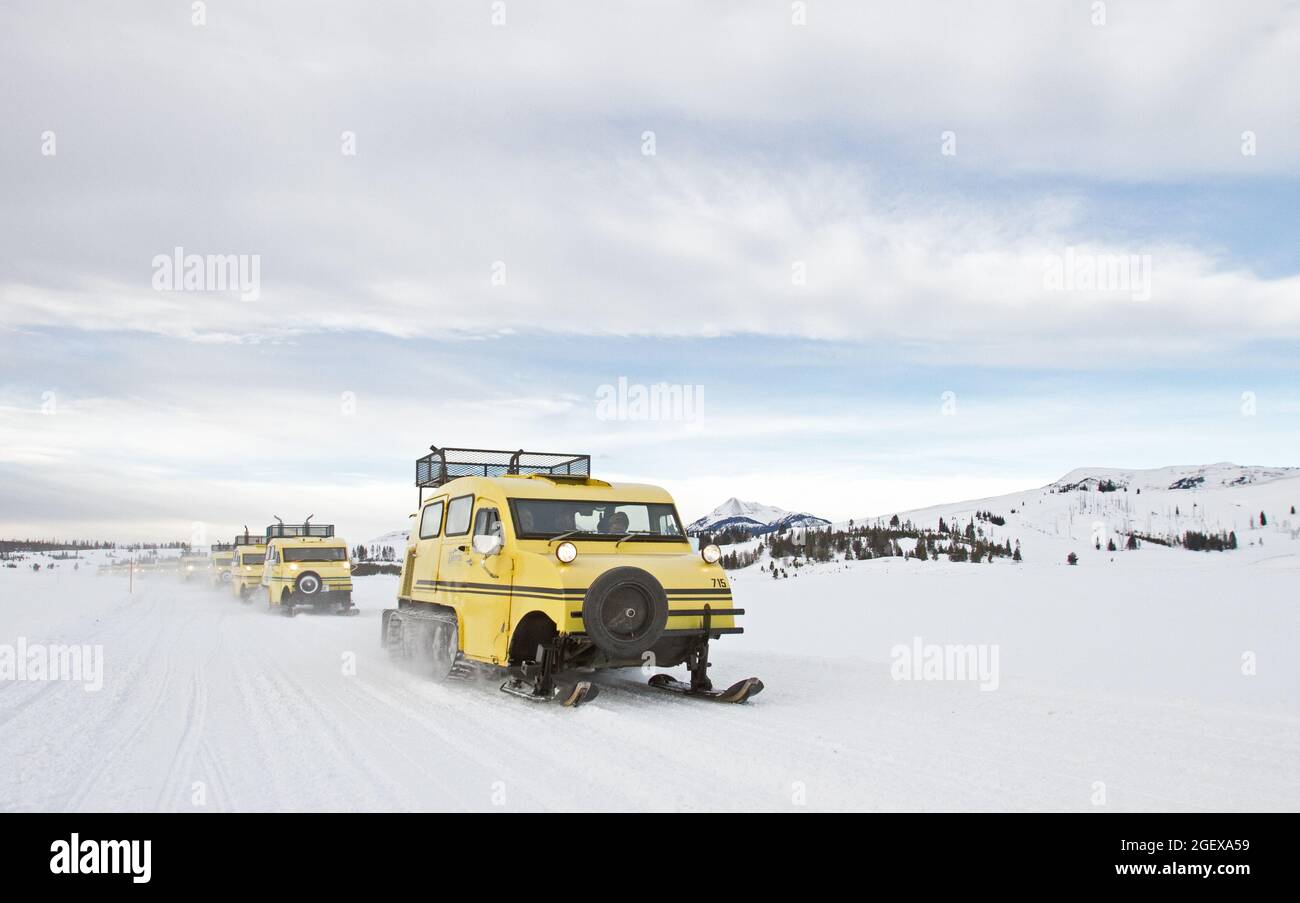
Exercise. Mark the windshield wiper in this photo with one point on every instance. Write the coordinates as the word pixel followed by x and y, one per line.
pixel 626 536
pixel 564 536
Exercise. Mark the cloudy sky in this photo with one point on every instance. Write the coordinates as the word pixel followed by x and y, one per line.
pixel 899 253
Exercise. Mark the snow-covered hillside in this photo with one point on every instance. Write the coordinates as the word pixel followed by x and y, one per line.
pixel 752 517
pixel 395 540
pixel 1161 504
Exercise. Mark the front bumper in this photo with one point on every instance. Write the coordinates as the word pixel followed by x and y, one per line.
pixel 705 626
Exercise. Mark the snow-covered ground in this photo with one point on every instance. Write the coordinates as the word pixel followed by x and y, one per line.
pixel 1120 677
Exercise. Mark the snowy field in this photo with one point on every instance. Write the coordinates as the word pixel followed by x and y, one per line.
pixel 1126 672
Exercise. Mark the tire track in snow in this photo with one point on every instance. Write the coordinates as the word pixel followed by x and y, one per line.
pixel 109 756
pixel 187 745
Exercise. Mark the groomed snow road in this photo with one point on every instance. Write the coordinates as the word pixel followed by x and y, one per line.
pixel 208 705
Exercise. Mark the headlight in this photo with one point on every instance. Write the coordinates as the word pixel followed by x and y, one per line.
pixel 566 552
pixel 711 553
pixel 189 567
pixel 293 567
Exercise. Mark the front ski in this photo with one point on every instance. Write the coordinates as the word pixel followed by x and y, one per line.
pixel 740 691
pixel 569 696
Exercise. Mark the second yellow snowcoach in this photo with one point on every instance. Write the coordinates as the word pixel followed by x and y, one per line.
pixel 306 565
pixel 522 561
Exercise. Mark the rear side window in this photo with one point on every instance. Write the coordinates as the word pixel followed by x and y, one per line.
pixel 431 520
pixel 458 510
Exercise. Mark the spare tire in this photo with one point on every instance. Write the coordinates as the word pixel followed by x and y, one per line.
pixel 308 584
pixel 625 612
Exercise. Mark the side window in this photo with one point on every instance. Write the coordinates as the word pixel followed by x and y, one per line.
pixel 431 519
pixel 488 523
pixel 458 510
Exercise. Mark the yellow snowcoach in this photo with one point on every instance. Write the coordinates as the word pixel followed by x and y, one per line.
pixel 192 566
pixel 305 564
pixel 219 563
pixel 521 561
pixel 249 557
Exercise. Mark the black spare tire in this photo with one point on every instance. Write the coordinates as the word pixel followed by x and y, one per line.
pixel 625 612
pixel 309 584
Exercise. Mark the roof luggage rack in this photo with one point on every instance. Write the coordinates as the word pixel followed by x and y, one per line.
pixel 222 547
pixel 443 465
pixel 306 528
pixel 249 539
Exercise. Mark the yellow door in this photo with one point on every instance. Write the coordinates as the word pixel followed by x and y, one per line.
pixel 420 573
pixel 479 581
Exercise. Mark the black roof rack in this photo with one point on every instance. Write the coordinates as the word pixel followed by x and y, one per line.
pixel 222 547
pixel 306 528
pixel 442 465
pixel 249 539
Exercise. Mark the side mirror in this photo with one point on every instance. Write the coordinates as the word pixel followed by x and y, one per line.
pixel 487 545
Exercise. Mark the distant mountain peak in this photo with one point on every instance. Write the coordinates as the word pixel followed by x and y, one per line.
pixel 752 517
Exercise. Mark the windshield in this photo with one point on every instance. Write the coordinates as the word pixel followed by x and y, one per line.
pixel 256 558
pixel 316 553
pixel 547 518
